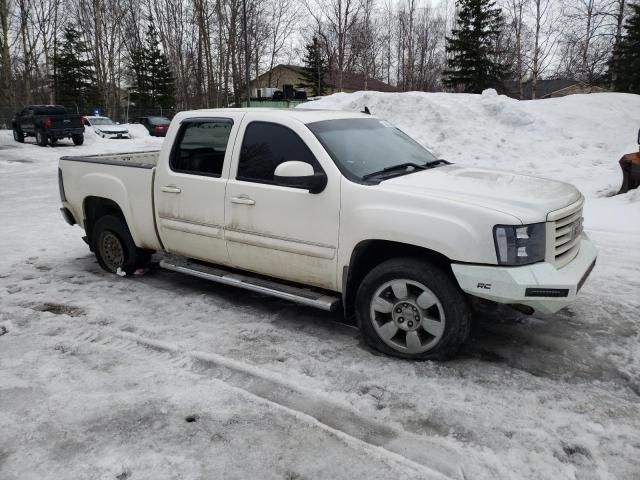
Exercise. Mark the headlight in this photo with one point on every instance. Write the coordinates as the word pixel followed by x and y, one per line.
pixel 519 244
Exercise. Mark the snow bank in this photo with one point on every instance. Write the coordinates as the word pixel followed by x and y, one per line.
pixel 577 139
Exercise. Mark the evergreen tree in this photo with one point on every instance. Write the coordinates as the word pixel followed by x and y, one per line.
pixel 625 63
pixel 473 62
pixel 152 81
pixel 74 81
pixel 315 69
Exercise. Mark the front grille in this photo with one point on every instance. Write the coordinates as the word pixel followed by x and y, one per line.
pixel 564 232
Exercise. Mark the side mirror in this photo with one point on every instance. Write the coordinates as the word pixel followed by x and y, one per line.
pixel 297 174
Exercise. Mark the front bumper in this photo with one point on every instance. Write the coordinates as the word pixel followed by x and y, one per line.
pixel 540 286
pixel 115 134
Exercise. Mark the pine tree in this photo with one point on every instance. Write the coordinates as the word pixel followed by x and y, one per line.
pixel 625 63
pixel 75 82
pixel 315 69
pixel 152 82
pixel 473 58
pixel 139 76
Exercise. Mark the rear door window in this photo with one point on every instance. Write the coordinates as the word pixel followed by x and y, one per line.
pixel 201 147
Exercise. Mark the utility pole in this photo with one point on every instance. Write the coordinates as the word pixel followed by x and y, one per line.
pixel 246 53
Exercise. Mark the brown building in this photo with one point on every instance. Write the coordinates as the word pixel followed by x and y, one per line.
pixel 284 77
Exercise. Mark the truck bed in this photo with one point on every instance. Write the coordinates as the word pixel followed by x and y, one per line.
pixel 124 178
pixel 147 159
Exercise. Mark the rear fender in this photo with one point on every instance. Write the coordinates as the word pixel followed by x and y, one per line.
pixel 108 187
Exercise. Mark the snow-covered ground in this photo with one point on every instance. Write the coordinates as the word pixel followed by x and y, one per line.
pixel 166 376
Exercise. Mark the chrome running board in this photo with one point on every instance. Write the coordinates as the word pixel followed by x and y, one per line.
pixel 304 296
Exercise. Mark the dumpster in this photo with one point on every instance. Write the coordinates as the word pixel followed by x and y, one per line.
pixel 630 165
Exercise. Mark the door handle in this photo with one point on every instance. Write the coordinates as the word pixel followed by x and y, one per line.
pixel 243 200
pixel 170 189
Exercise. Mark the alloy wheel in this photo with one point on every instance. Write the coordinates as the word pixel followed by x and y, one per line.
pixel 407 316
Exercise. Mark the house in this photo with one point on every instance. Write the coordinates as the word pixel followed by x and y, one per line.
pixel 287 78
pixel 552 88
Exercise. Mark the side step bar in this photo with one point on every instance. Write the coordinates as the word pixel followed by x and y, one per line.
pixel 304 296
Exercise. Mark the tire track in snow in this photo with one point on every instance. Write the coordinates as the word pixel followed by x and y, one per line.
pixel 423 455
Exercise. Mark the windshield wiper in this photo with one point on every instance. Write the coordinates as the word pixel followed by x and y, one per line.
pixel 405 166
pixel 400 166
pixel 435 163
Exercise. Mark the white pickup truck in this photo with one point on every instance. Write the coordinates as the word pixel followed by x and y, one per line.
pixel 334 208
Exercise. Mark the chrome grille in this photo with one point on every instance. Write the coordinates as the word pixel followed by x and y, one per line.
pixel 564 233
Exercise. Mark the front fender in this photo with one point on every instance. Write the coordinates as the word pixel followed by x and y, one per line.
pixel 461 232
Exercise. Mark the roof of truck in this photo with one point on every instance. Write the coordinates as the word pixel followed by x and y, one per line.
pixel 301 114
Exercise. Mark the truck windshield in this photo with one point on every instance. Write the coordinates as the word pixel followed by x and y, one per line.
pixel 100 121
pixel 367 146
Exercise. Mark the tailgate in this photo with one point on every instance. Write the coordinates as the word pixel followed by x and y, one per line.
pixel 65 121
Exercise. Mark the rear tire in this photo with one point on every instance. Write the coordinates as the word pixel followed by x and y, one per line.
pixel 409 308
pixel 18 136
pixel 114 247
pixel 41 138
pixel 78 138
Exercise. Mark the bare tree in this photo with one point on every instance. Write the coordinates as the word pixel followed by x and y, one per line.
pixel 545 40
pixel 587 40
pixel 338 17
pixel 282 20
pixel 516 11
pixel 5 55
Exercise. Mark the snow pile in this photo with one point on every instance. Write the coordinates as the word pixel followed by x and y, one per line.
pixel 107 377
pixel 577 139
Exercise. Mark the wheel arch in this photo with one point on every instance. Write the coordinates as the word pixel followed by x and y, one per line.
pixel 367 254
pixel 94 208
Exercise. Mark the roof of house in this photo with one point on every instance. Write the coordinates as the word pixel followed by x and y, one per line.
pixel 547 88
pixel 585 87
pixel 350 80
pixel 543 87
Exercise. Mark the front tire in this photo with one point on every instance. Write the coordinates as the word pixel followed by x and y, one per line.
pixel 410 308
pixel 41 138
pixel 114 247
pixel 18 136
pixel 78 138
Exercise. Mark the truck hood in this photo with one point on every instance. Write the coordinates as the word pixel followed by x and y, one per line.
pixel 527 198
pixel 111 128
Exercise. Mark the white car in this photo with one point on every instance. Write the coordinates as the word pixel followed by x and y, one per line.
pixel 106 128
pixel 334 208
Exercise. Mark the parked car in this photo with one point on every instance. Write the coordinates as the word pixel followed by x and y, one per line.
pixel 334 208
pixel 157 126
pixel 106 128
pixel 48 123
